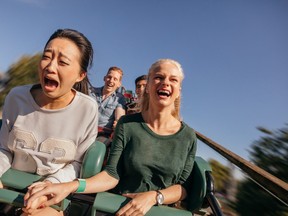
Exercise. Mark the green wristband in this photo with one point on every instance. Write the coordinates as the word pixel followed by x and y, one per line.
pixel 82 185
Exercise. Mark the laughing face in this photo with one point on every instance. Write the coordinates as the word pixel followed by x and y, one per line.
pixel 164 85
pixel 112 81
pixel 59 69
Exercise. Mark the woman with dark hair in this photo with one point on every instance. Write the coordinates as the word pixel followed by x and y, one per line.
pixel 47 127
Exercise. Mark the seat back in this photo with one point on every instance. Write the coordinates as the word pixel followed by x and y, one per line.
pixel 93 160
pixel 198 190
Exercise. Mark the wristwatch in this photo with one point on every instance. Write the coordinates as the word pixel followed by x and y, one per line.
pixel 159 198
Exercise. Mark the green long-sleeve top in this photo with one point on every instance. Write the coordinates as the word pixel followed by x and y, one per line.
pixel 142 160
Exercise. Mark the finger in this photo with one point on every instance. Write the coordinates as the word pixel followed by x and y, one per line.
pixel 129 195
pixel 26 197
pixel 51 202
pixel 125 210
pixel 39 202
pixel 36 184
pixel 36 195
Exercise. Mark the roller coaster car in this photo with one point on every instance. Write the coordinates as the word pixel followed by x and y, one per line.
pixel 201 194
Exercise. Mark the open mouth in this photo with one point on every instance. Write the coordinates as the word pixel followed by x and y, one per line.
pixel 50 84
pixel 163 93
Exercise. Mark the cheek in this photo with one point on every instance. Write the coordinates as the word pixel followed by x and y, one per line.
pixel 177 90
pixel 40 69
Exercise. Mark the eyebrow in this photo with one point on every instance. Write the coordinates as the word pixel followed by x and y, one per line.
pixel 61 54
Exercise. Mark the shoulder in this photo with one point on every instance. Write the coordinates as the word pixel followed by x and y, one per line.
pixel 19 91
pixel 136 117
pixel 119 96
pixel 121 100
pixel 97 90
pixel 86 100
pixel 188 130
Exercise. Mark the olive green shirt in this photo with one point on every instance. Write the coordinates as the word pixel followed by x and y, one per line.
pixel 142 160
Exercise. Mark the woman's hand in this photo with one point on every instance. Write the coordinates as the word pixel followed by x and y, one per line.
pixel 37 203
pixel 55 193
pixel 1 185
pixel 140 204
pixel 37 186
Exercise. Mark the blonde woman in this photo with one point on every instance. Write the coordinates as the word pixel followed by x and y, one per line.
pixel 152 152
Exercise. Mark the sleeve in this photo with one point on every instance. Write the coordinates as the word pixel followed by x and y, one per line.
pixel 6 155
pixel 185 178
pixel 72 170
pixel 114 164
pixel 121 101
pixel 66 174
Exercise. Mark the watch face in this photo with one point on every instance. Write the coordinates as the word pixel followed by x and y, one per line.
pixel 160 198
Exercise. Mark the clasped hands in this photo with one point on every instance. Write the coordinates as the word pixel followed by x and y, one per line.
pixel 43 194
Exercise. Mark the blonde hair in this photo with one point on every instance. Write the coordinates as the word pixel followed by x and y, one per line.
pixel 177 102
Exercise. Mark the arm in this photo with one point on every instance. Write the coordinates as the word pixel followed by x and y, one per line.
pixel 119 111
pixel 6 155
pixel 98 183
pixel 141 203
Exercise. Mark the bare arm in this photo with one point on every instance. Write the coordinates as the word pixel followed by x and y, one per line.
pixel 119 111
pixel 141 203
pixel 98 183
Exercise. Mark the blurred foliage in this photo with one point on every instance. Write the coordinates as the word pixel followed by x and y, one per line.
pixel 221 175
pixel 23 72
pixel 270 153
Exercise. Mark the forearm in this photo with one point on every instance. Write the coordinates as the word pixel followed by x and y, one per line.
pixel 98 183
pixel 173 194
pixel 119 111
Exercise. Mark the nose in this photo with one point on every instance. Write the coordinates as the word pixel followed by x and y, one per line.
pixel 165 81
pixel 51 67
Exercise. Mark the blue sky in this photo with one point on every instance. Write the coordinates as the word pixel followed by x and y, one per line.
pixel 234 54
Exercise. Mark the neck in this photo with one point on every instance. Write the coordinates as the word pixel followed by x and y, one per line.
pixel 46 102
pixel 106 93
pixel 161 121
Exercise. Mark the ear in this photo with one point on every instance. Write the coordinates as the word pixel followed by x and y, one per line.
pixel 179 92
pixel 82 75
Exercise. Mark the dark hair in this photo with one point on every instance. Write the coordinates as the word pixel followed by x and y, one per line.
pixel 142 77
pixel 86 53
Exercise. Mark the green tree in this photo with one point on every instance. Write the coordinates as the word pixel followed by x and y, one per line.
pixel 270 153
pixel 24 71
pixel 221 175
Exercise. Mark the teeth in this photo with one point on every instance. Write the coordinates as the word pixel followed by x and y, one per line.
pixel 164 92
